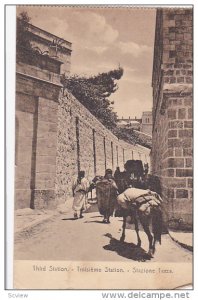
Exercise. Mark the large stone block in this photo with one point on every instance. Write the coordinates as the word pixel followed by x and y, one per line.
pixel 184 173
pixel 188 124
pixel 190 182
pixel 172 133
pixel 25 103
pixel 187 151
pixel 185 133
pixel 189 162
pixel 172 114
pixel 22 198
pixel 178 152
pixel 181 193
pixel 181 113
pixel 44 199
pixel 175 162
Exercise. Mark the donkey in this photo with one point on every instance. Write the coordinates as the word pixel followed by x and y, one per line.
pixel 142 206
pixel 154 216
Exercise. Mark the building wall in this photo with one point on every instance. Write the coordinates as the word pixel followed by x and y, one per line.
pixel 84 143
pixel 52 46
pixel 37 94
pixel 25 107
pixel 172 112
pixel 147 123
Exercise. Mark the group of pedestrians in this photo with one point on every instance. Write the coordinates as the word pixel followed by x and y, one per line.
pixel 108 187
pixel 106 193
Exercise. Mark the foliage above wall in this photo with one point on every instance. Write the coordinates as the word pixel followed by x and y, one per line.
pixel 132 137
pixel 22 37
pixel 93 92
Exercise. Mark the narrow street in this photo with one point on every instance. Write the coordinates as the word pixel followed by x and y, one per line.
pixel 64 238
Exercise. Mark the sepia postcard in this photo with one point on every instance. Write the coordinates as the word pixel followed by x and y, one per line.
pixel 103 195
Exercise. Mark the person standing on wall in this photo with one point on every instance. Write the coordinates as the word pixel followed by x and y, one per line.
pixel 80 189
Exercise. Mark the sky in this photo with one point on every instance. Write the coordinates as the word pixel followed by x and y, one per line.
pixel 102 39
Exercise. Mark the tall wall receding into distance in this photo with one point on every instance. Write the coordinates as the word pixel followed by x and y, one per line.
pixel 84 143
pixel 56 136
pixel 172 112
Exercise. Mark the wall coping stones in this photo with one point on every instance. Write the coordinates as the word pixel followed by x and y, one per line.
pixel 36 72
pixel 39 79
pixel 49 37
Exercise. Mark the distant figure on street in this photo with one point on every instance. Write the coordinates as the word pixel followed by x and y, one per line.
pixel 106 192
pixel 80 189
pixel 117 173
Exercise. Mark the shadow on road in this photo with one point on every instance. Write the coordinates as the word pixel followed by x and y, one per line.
pixel 70 219
pixel 127 250
pixel 99 222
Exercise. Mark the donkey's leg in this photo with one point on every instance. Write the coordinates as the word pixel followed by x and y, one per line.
pixel 145 223
pixel 105 217
pixel 123 229
pixel 108 217
pixel 153 246
pixel 137 231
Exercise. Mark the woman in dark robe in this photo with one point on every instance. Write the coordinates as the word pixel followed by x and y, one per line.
pixel 106 192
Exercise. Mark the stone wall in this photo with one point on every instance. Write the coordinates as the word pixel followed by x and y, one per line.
pixel 84 143
pixel 172 112
pixel 55 137
pixel 37 94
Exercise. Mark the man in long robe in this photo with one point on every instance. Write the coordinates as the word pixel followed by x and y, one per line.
pixel 80 189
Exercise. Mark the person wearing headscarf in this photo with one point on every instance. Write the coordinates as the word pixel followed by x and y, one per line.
pixel 106 192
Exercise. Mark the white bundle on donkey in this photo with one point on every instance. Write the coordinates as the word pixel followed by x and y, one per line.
pixel 145 206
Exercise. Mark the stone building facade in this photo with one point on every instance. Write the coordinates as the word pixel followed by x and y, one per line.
pixel 172 112
pixel 51 45
pixel 37 97
pixel 55 135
